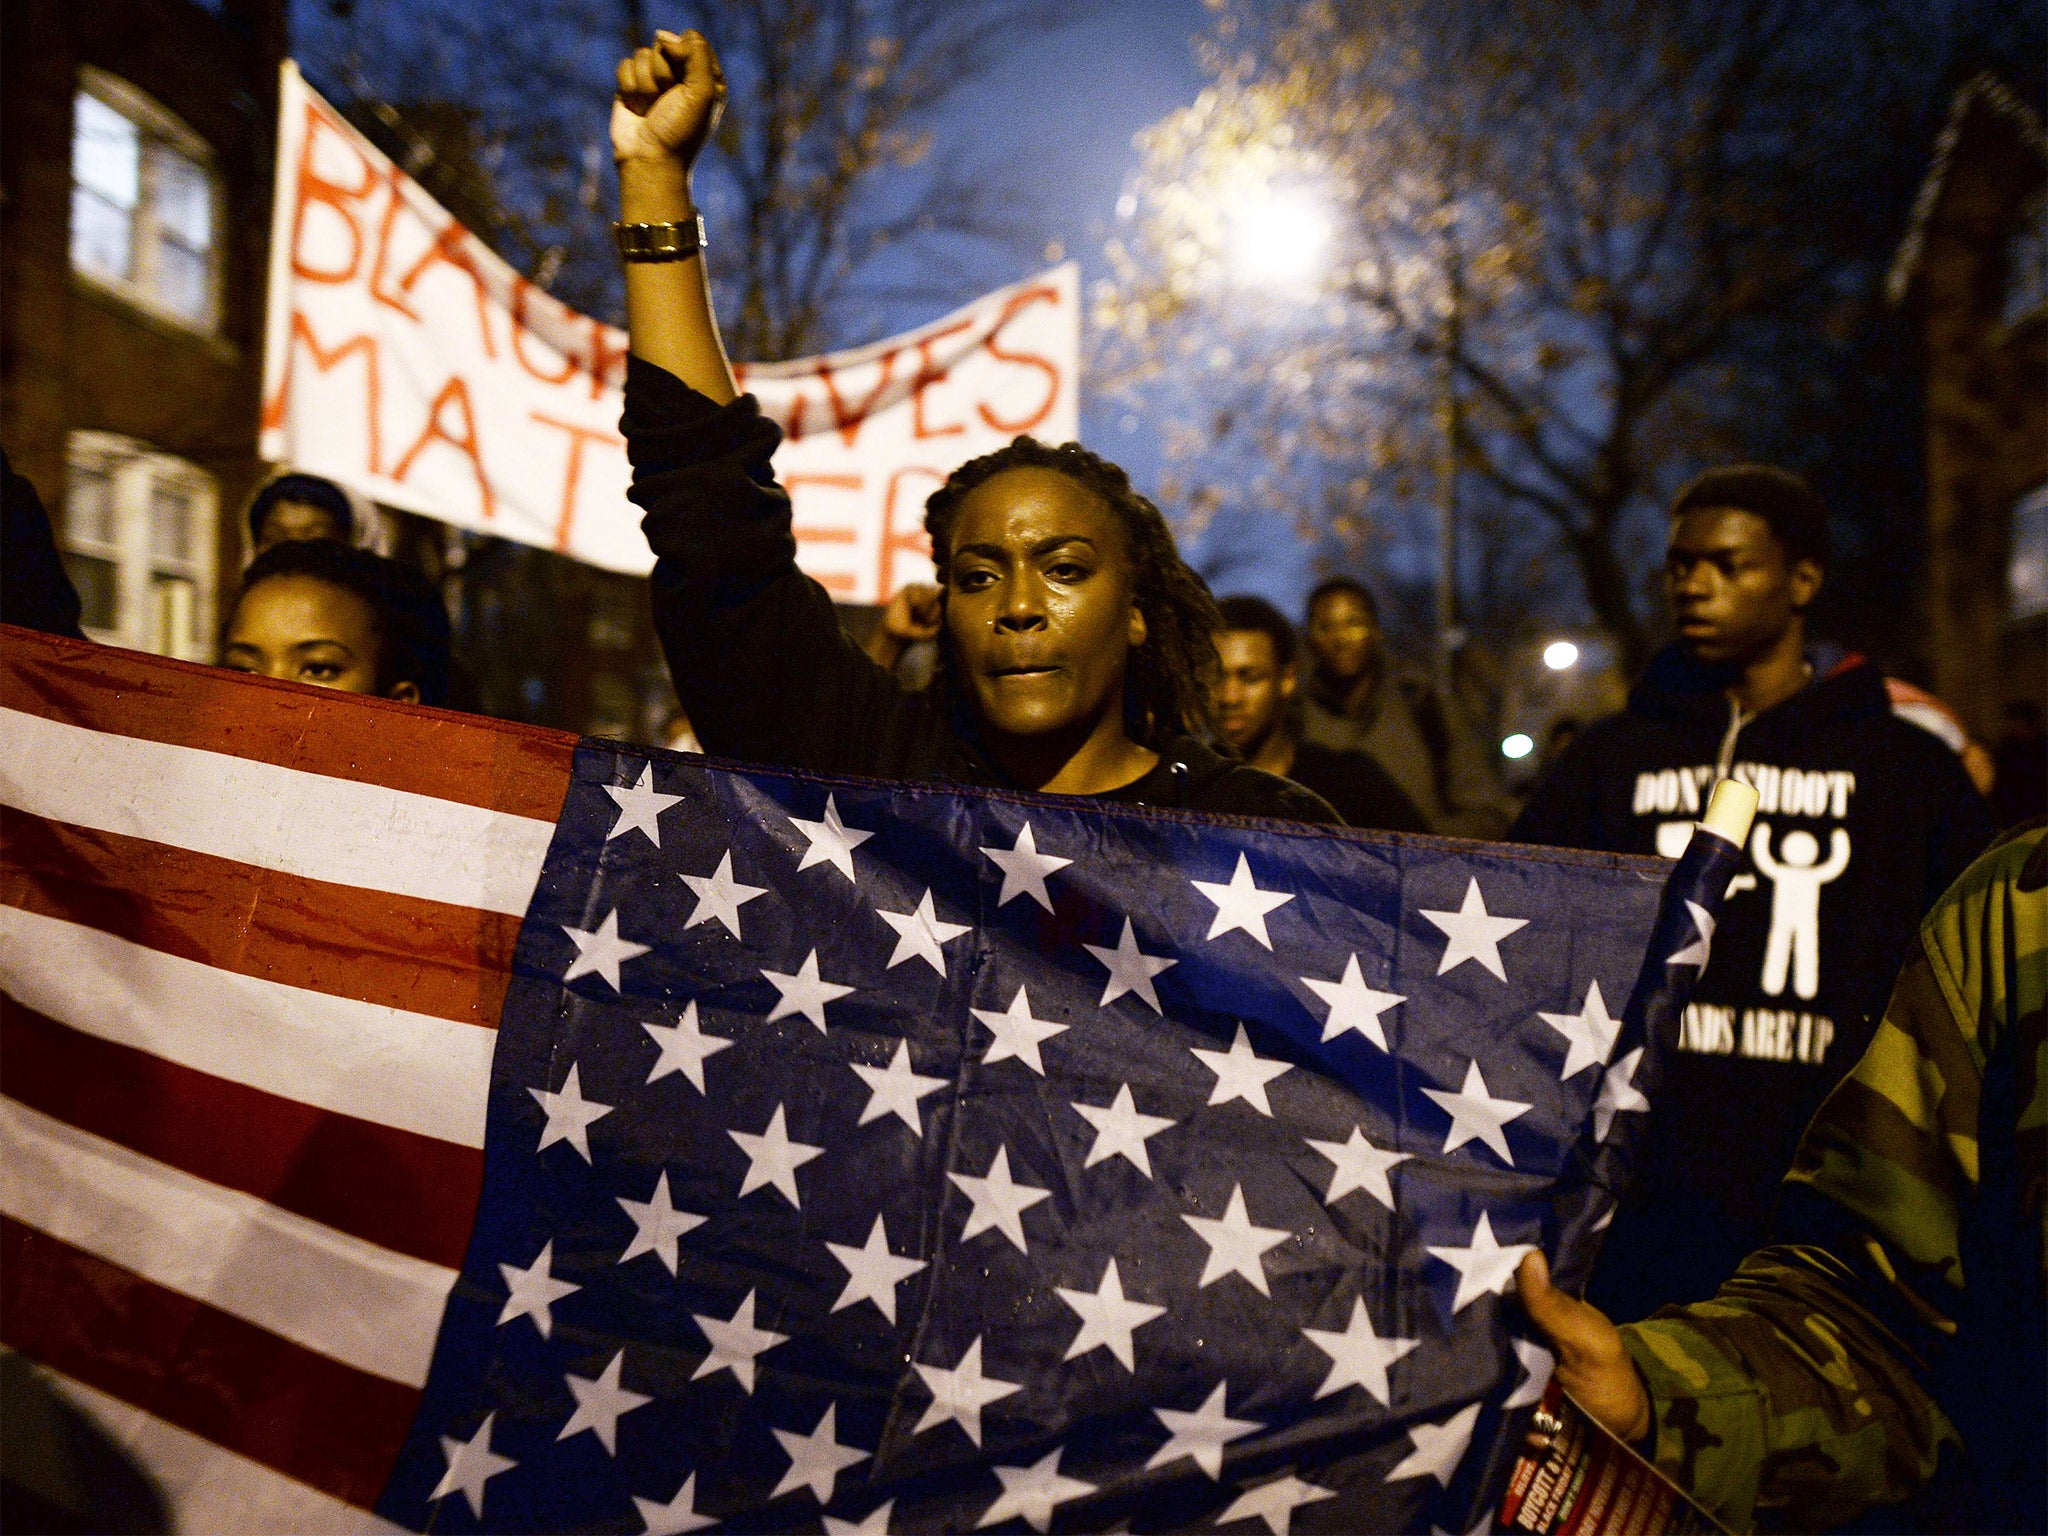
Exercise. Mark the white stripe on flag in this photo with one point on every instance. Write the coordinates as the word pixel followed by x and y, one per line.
pixel 205 1486
pixel 337 1295
pixel 407 1070
pixel 275 818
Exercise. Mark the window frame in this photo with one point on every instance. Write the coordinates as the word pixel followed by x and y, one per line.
pixel 134 471
pixel 158 130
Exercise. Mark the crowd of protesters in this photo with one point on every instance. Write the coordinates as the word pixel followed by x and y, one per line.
pixel 1067 648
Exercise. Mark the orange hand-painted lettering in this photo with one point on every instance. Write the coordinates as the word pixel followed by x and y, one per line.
pixel 465 442
pixel 1029 359
pixel 579 436
pixel 326 360
pixel 315 188
pixel 928 374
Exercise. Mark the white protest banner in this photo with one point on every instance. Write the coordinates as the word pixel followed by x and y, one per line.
pixel 407 361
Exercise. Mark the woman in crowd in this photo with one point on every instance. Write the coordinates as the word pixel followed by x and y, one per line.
pixel 1076 642
pixel 315 611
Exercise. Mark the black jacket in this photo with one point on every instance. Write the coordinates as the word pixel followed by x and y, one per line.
pixel 35 590
pixel 757 653
pixel 1357 787
pixel 1863 820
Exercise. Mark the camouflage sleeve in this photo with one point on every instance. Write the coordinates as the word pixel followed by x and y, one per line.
pixel 1804 1385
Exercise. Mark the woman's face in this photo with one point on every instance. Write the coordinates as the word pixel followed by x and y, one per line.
pixel 1039 603
pixel 305 630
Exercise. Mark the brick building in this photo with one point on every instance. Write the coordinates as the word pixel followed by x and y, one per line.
pixel 1973 277
pixel 135 169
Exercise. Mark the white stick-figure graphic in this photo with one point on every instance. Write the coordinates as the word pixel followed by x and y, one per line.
pixel 1795 903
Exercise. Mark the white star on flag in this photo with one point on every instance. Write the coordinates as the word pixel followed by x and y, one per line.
pixel 1702 946
pixel 570 1115
pixel 1241 904
pixel 1473 932
pixel 895 1089
pixel 1354 1005
pixel 1024 869
pixel 872 1272
pixel 601 952
pixel 1107 1318
pixel 720 896
pixel 1241 1073
pixel 960 1394
pixel 919 934
pixel 639 807
pixel 1201 1436
pixel 803 992
pixel 1618 1092
pixel 1537 1364
pixel 874 1523
pixel 773 1158
pixel 533 1291
pixel 684 1047
pixel 1438 1447
pixel 999 1201
pixel 735 1341
pixel 1017 1034
pixel 1589 1034
pixel 678 1517
pixel 600 1403
pixel 1359 1357
pixel 816 1459
pixel 1120 1131
pixel 1359 1165
pixel 1484 1266
pixel 1236 1247
pixel 831 841
pixel 471 1464
pixel 656 1225
pixel 1274 1503
pixel 1476 1115
pixel 1031 1492
pixel 1130 970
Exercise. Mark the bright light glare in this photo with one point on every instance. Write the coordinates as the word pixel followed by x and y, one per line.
pixel 1518 746
pixel 1278 240
pixel 1560 654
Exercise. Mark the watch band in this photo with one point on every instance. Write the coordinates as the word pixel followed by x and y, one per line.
pixel 660 242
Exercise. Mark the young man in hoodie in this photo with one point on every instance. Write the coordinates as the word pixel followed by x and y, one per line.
pixel 1863 819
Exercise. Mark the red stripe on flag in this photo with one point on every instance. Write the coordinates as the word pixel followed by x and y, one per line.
pixel 402 1191
pixel 237 1385
pixel 518 769
pixel 375 947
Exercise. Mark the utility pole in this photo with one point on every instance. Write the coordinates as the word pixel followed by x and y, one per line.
pixel 1450 633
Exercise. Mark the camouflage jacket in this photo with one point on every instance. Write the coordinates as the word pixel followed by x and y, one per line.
pixel 1901 1312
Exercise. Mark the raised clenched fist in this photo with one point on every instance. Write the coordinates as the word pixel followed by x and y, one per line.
pixel 670 96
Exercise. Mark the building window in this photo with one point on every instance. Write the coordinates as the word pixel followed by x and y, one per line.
pixel 138 541
pixel 2026 256
pixel 144 203
pixel 2027 566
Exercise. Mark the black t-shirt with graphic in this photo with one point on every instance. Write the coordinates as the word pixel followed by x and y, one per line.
pixel 1862 820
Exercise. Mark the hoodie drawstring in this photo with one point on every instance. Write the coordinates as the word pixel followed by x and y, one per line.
pixel 1724 761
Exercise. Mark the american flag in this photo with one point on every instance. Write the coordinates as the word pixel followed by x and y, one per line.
pixel 855 1156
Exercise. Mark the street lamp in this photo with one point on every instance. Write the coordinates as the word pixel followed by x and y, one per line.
pixel 1518 746
pixel 1560 655
pixel 1278 238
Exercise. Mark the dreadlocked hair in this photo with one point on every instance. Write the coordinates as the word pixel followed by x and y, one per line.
pixel 1166 683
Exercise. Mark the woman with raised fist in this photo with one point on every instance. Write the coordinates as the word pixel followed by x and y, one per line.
pixel 1075 642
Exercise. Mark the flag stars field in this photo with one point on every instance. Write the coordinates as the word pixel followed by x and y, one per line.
pixel 1241 1072
pixel 684 1048
pixel 1474 933
pixel 1201 1436
pixel 600 951
pixel 831 841
pixel 1241 906
pixel 1025 869
pixel 569 1115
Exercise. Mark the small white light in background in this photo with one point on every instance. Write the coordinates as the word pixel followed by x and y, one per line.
pixel 1518 746
pixel 1560 654
pixel 1278 239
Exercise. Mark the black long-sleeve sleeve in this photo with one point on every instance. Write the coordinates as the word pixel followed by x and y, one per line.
pixel 756 651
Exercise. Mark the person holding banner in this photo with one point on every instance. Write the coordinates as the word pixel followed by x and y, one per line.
pixel 1076 642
